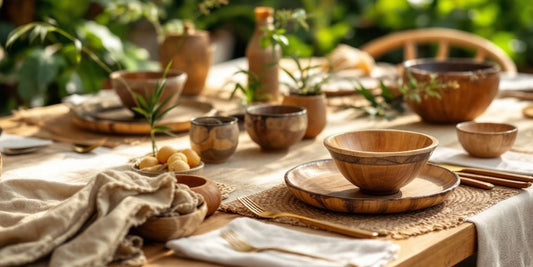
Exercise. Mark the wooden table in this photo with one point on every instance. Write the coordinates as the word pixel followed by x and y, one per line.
pixel 439 248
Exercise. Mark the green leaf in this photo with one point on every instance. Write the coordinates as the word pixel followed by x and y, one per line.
pixel 18 33
pixel 38 70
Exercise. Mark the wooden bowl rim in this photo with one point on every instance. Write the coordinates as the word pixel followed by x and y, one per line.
pixel 253 111
pixel 344 151
pixel 460 128
pixel 126 75
pixel 226 120
pixel 488 67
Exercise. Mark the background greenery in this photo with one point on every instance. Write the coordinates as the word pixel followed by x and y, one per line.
pixel 41 73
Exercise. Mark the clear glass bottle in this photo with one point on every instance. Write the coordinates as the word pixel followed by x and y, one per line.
pixel 264 62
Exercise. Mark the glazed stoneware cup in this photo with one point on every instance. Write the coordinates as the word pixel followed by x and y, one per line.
pixel 214 138
pixel 275 127
pixel 486 140
pixel 380 161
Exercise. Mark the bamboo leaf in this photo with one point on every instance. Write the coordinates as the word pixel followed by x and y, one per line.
pixel 17 33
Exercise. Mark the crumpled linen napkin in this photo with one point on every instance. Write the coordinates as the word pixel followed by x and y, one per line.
pixel 504 234
pixel 509 161
pixel 213 248
pixel 78 225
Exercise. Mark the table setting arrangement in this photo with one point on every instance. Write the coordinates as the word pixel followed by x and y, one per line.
pixel 371 184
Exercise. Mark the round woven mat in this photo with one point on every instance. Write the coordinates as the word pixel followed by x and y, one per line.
pixel 464 202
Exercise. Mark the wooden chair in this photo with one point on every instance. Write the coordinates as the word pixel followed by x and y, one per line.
pixel 444 38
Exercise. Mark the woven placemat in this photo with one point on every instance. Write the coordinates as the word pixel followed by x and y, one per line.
pixel 464 202
pixel 225 189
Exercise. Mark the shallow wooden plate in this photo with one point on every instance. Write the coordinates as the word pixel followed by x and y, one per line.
pixel 115 118
pixel 320 184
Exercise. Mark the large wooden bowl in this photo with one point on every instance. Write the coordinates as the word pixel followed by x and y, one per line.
pixel 485 139
pixel 380 161
pixel 144 83
pixel 466 88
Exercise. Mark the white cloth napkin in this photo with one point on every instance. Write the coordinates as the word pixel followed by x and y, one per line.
pixel 505 236
pixel 213 248
pixel 504 233
pixel 509 161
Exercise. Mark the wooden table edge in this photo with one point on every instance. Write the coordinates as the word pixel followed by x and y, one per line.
pixel 445 247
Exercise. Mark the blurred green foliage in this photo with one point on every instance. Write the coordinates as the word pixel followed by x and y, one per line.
pixel 33 74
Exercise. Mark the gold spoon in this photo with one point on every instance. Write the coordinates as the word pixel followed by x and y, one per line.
pixel 76 147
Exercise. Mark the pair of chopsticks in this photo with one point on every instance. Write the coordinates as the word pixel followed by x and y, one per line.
pixel 486 179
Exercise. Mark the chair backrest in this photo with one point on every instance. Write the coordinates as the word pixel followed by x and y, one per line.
pixel 445 38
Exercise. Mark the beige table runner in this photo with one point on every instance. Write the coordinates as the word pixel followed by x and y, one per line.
pixel 463 202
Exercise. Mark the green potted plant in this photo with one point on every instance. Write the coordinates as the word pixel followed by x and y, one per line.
pixel 305 89
pixel 178 39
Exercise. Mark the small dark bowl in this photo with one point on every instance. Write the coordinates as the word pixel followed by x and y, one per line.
pixel 275 127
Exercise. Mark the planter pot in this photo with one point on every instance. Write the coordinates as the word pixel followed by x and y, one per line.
pixel 190 52
pixel 316 111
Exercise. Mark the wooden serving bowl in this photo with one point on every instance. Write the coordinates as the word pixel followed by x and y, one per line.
pixel 144 82
pixel 205 187
pixel 467 88
pixel 380 161
pixel 167 228
pixel 275 127
pixel 486 140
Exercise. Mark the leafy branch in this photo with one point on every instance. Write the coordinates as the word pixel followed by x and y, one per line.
pixel 42 30
pixel 153 109
pixel 385 104
pixel 251 91
pixel 415 90
pixel 309 81
pixel 276 36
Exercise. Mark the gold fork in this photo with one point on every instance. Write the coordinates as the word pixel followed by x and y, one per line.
pixel 239 244
pixel 350 231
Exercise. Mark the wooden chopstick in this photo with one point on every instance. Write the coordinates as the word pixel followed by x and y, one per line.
pixel 476 183
pixel 498 174
pixel 494 180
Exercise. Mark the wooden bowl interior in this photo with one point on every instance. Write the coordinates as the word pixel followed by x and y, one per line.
pixel 486 128
pixel 191 180
pixel 276 110
pixel 145 75
pixel 380 141
pixel 452 66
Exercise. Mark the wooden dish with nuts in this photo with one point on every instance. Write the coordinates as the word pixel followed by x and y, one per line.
pixel 169 159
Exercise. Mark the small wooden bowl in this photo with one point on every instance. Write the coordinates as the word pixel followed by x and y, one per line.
pixel 380 161
pixel 468 88
pixel 275 127
pixel 205 187
pixel 166 228
pixel 486 140
pixel 214 138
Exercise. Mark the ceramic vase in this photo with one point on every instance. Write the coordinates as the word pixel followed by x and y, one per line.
pixel 190 52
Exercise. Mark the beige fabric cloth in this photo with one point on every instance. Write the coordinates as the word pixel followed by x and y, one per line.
pixel 78 225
